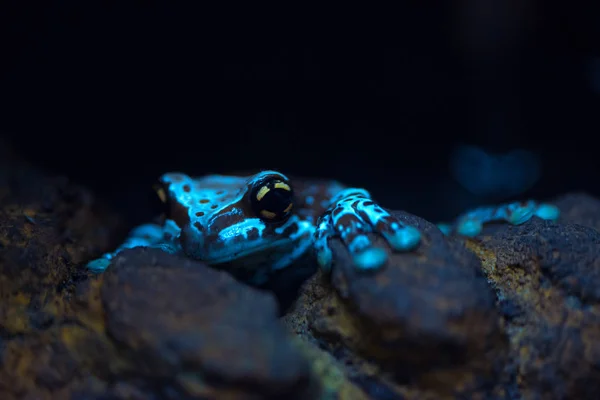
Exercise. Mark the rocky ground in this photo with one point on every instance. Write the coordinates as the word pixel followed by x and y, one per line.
pixel 510 314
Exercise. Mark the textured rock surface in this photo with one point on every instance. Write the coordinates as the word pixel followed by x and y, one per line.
pixel 154 326
pixel 547 277
pixel 47 227
pixel 184 322
pixel 428 321
pixel 511 314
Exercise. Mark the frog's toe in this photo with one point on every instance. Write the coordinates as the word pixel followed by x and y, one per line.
pixel 469 227
pixel 372 258
pixel 354 236
pixel 445 228
pixel 520 215
pixel 324 258
pixel 99 265
pixel 365 255
pixel 402 238
pixel 547 211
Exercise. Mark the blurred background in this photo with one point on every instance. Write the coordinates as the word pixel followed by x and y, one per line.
pixel 434 108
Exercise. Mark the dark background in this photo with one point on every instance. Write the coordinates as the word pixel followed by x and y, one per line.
pixel 112 94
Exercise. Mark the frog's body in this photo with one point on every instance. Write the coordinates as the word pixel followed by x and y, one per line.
pixel 262 223
pixel 256 225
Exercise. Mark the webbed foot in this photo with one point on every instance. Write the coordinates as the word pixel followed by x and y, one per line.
pixel 351 216
pixel 516 213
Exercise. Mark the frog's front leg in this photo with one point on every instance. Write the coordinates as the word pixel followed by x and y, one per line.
pixel 164 237
pixel 471 223
pixel 352 214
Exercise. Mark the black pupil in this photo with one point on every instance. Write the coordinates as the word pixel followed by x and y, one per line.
pixel 276 200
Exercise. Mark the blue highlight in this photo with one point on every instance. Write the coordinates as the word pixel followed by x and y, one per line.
pixel 370 259
pixel 220 228
pixel 471 223
pixel 445 228
pixel 98 265
pixel 547 211
pixel 217 227
pixel 469 228
pixel 403 239
pixel 495 175
pixel 520 215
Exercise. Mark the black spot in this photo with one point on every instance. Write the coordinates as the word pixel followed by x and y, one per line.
pixel 253 234
pixel 187 188
pixel 290 230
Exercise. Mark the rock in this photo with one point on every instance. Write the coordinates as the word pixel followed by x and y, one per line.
pixel 549 274
pixel 47 225
pixel 331 372
pixel 513 313
pixel 153 327
pixel 429 318
pixel 579 208
pixel 197 329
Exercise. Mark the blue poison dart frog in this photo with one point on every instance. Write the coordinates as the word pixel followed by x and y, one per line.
pixel 471 223
pixel 263 223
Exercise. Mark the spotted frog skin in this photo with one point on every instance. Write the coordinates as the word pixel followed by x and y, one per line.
pixel 471 223
pixel 258 224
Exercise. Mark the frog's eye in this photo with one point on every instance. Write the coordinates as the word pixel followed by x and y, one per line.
pixel 161 193
pixel 272 200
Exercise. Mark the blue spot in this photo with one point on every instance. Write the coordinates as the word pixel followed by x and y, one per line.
pixel 547 211
pixel 359 242
pixel 406 238
pixel 98 265
pixel 469 228
pixel 445 228
pixel 324 258
pixel 309 200
pixel 520 215
pixel 371 259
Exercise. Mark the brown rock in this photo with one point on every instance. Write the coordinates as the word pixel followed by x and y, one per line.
pixel 45 229
pixel 153 327
pixel 196 328
pixel 547 275
pixel 428 317
pixel 579 208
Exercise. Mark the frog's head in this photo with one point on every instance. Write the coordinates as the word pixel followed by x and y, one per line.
pixel 225 219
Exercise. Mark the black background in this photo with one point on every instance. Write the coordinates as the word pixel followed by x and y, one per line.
pixel 112 94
